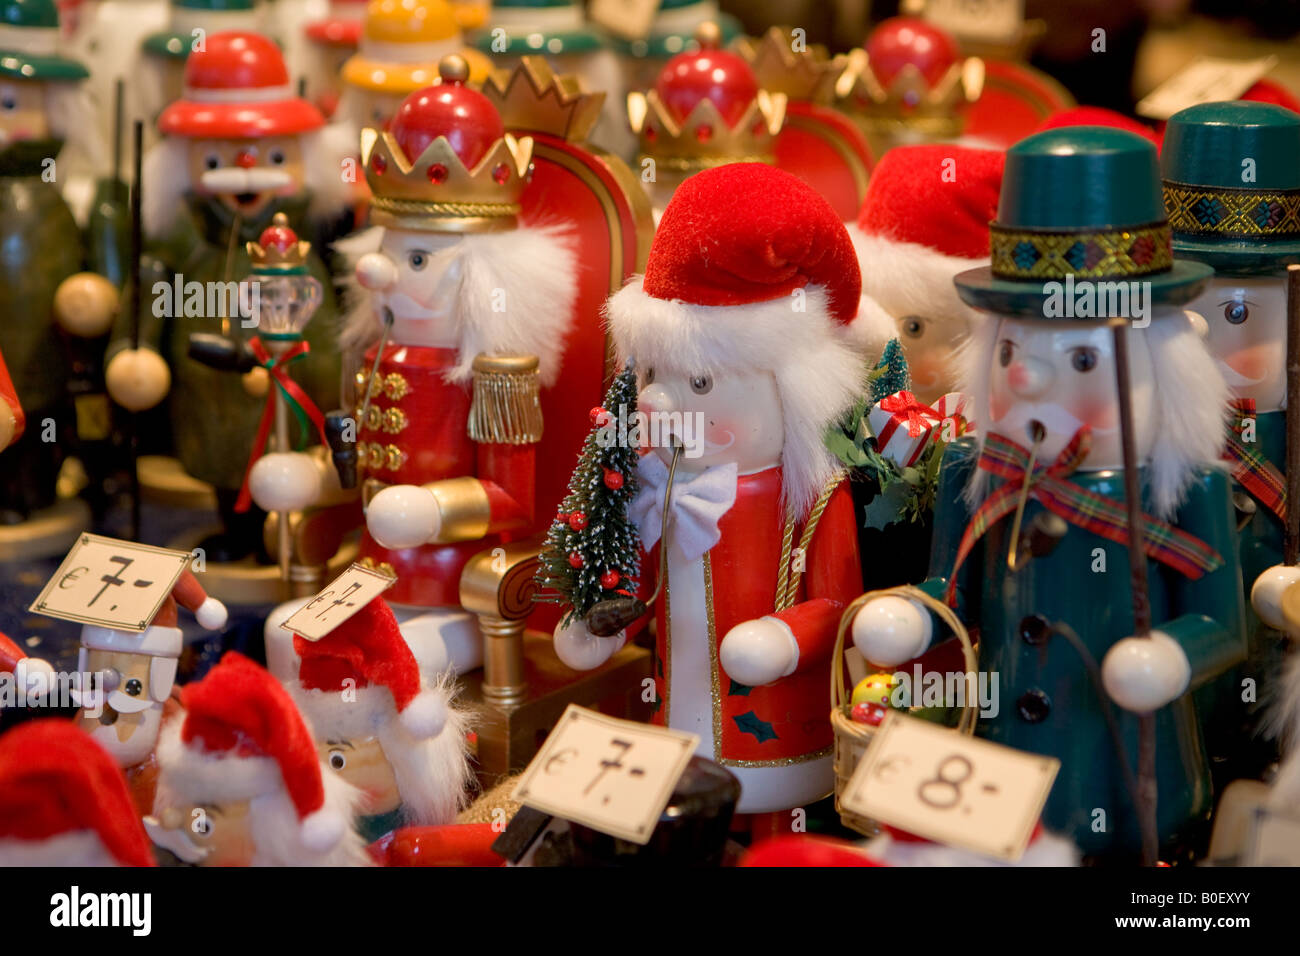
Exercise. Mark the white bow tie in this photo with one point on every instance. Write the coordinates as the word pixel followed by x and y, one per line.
pixel 698 503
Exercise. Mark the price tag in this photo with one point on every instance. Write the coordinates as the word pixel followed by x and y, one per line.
pixel 630 19
pixel 344 596
pixel 992 21
pixel 615 776
pixel 117 584
pixel 1274 840
pixel 1207 79
pixel 953 789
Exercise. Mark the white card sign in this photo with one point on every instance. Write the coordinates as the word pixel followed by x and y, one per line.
pixel 1274 840
pixel 992 21
pixel 630 19
pixel 615 776
pixel 950 788
pixel 112 583
pixel 1207 79
pixel 344 596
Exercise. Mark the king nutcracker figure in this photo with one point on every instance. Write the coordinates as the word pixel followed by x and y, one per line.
pixel 1233 198
pixel 239 148
pixel 462 318
pixel 1081 208
pixel 740 325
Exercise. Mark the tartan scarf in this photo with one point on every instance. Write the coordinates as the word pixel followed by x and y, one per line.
pixel 1250 469
pixel 1102 516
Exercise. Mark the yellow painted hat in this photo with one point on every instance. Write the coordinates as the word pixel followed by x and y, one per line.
pixel 401 44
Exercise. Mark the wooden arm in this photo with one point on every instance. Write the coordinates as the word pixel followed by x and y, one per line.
pixel 498 586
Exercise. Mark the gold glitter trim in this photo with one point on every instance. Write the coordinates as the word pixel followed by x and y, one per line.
pixel 1018 254
pixel 668 639
pixel 715 691
pixel 1236 213
pixel 782 762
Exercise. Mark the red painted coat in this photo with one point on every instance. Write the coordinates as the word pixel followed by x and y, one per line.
pixel 9 395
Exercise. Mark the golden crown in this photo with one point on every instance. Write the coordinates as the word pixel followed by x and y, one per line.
pixel 803 73
pixel 279 254
pixel 909 102
pixel 534 97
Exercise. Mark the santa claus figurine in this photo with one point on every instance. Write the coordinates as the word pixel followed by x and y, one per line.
pixel 331 40
pixel 131 676
pixel 63 801
pixel 479 307
pixel 380 725
pixel 1080 209
pixel 740 325
pixel 925 219
pixel 240 782
pixel 706 109
pixel 239 148
pixel 1246 229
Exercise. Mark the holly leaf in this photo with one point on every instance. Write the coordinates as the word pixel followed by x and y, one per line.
pixel 737 689
pixel 751 723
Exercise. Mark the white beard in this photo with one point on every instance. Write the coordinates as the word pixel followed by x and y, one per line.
pixel 74 848
pixel 137 747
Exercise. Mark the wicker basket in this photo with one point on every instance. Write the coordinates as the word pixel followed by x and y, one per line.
pixel 851 737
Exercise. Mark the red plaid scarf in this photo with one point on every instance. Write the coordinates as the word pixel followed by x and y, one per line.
pixel 1250 469
pixel 1002 457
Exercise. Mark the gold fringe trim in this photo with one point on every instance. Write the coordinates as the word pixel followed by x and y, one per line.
pixel 506 409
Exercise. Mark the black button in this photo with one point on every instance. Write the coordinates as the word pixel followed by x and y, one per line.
pixel 1035 629
pixel 1033 706
pixel 134 687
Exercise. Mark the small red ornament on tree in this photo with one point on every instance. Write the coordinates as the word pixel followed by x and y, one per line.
pixel 613 479
pixel 575 560
pixel 597 414
pixel 577 521
pixel 609 580
pixel 562 518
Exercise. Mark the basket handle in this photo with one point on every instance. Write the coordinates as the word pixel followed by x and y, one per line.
pixel 970 711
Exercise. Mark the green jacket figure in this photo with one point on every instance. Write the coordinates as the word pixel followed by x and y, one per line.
pixel 1232 193
pixel 239 148
pixel 1079 218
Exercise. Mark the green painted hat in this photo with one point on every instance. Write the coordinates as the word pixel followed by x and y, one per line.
pixel 187 16
pixel 673 30
pixel 1232 185
pixel 538 26
pixel 29 42
pixel 1083 202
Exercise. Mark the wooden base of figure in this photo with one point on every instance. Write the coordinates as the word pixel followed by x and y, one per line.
pixel 48 532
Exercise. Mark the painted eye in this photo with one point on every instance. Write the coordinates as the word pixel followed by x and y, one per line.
pixel 134 687
pixel 212 161
pixel 1006 350
pixel 276 156
pixel 202 824
pixel 1236 312
pixel 913 326
pixel 8 102
pixel 338 760
pixel 1083 359
pixel 702 384
pixel 417 259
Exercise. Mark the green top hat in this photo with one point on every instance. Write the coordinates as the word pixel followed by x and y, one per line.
pixel 29 41
pixel 539 26
pixel 211 15
pixel 673 30
pixel 1082 202
pixel 1232 185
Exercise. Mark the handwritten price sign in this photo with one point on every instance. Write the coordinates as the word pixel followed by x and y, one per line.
pixel 949 788
pixel 613 775
pixel 344 596
pixel 1207 79
pixel 117 584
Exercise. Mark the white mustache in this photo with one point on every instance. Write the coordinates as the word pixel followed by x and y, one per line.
pixel 1234 378
pixel 235 179
pixel 1055 418
pixel 177 841
pixel 124 703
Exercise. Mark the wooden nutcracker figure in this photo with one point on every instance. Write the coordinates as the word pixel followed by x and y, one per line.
pixel 240 782
pixel 132 676
pixel 1233 199
pixel 332 40
pixel 380 725
pixel 63 801
pixel 706 109
pixel 239 148
pixel 1080 210
pixel 672 31
pixel 924 220
pixel 462 319
pixel 739 334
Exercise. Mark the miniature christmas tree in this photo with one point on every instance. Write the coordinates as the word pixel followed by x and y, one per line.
pixel 592 551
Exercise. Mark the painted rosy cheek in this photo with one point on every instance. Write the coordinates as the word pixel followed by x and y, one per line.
pixel 1017 376
pixel 1097 412
pixel 1254 362
pixel 1000 401
pixel 718 432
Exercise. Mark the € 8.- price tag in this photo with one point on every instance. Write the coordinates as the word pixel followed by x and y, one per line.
pixel 1274 840
pixel 612 775
pixel 993 21
pixel 116 584
pixel 953 789
pixel 630 19
pixel 1206 80
pixel 344 596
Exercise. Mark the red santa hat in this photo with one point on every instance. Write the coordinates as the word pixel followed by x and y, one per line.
pixel 924 219
pixel 1267 91
pixel 1099 116
pixel 63 801
pixel 750 269
pixel 14 660
pixel 243 738
pixel 162 638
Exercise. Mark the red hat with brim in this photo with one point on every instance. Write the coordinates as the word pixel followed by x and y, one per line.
pixel 335 32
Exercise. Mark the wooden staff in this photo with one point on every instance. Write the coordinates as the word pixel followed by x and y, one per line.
pixel 133 303
pixel 1137 560
pixel 1292 539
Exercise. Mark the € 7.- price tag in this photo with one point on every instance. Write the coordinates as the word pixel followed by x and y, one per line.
pixel 1206 80
pixel 1274 840
pixel 344 596
pixel 953 789
pixel 612 775
pixel 111 583
pixel 630 19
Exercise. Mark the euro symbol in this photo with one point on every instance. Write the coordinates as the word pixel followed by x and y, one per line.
pixel 559 758
pixel 72 577
pixel 890 767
